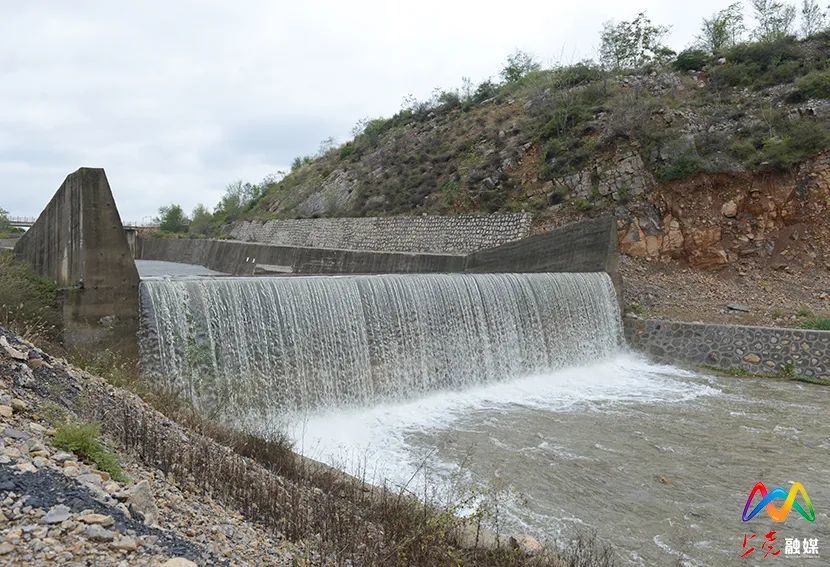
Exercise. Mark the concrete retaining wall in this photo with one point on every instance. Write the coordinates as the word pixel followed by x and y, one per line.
pixel 588 246
pixel 585 246
pixel 8 243
pixel 78 241
pixel 460 234
pixel 241 258
pixel 760 350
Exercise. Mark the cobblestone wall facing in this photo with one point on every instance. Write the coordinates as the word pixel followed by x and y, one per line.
pixel 460 234
pixel 760 350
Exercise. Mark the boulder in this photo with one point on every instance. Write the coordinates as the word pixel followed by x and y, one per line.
pixel 729 209
pixel 12 352
pixel 528 545
pixel 97 533
pixel 178 562
pixel 57 515
pixel 141 501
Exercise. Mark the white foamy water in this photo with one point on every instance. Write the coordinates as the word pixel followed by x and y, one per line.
pixel 376 436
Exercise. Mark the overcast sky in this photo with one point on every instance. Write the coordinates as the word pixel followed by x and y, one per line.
pixel 176 99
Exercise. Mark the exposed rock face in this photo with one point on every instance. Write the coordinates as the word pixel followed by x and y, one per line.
pixel 625 175
pixel 336 194
pixel 711 221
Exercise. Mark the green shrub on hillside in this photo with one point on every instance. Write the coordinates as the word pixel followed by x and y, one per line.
pixel 486 90
pixel 813 85
pixel 84 439
pixel 518 65
pixel 682 168
pixel 28 303
pixel 817 323
pixel 579 74
pixel 691 60
pixel 762 64
pixel 797 140
pixel 567 144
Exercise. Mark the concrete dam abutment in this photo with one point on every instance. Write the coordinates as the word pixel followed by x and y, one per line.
pixel 78 241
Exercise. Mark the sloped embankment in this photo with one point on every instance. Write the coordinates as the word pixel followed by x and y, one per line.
pixel 191 498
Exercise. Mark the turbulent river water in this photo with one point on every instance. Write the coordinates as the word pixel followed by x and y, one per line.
pixel 657 460
pixel 554 420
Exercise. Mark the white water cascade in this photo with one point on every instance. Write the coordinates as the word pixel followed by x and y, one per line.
pixel 268 345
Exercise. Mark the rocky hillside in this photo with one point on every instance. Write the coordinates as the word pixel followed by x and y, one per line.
pixel 715 163
pixel 575 138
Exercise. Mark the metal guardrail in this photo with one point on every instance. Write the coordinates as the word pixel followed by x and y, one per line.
pixel 134 224
pixel 27 222
pixel 22 221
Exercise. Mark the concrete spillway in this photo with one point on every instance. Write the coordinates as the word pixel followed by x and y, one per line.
pixel 248 346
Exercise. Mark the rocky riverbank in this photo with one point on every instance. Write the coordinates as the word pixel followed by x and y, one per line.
pixel 57 509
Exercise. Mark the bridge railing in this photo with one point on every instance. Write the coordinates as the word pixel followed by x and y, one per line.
pixel 22 221
pixel 27 222
pixel 135 224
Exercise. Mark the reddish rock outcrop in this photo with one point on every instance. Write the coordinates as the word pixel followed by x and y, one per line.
pixel 712 220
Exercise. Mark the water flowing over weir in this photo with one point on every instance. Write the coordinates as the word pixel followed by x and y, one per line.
pixel 247 346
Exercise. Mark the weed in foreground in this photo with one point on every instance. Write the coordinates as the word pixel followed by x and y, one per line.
pixel 84 439
pixel 817 324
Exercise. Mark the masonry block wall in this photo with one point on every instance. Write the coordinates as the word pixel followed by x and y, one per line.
pixel 460 234
pixel 759 350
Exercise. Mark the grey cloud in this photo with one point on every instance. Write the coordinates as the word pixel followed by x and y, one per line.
pixel 176 99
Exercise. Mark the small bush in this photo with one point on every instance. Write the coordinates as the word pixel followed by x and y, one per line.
pixel 586 550
pixel 28 303
pixel 817 324
pixel 446 100
pixel 579 74
pixel 583 205
pixel 485 91
pixel 798 141
pixel 347 150
pixel 814 85
pixel 691 60
pixel 84 439
pixel 519 65
pixel 374 129
pixel 682 168
pixel 762 64
pixel 766 54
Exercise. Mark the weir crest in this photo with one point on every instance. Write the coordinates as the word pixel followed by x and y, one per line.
pixel 252 347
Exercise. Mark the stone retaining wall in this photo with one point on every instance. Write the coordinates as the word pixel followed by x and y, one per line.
pixel 461 234
pixel 760 350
